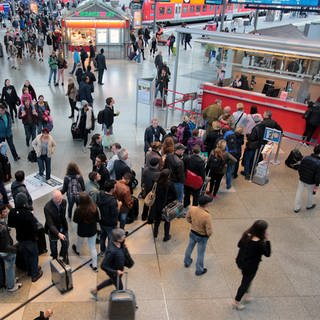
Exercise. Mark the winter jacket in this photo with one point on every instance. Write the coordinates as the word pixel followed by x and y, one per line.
pixel 123 194
pixel 9 95
pixel 176 166
pixel 101 61
pixel 108 207
pixel 108 116
pixel 56 221
pixel 152 134
pixel 149 176
pixel 313 115
pixel 36 144
pixel 114 260
pixel 104 173
pixel 211 140
pixel 196 164
pixel 85 92
pixel 17 187
pixel 92 189
pixel 120 168
pixel 86 229
pixel 5 130
pixel 27 115
pixel 309 170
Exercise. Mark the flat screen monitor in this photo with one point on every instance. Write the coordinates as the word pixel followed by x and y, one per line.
pixel 300 3
pixel 267 87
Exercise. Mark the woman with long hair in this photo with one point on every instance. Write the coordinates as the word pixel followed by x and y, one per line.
pixel 73 184
pixel 62 64
pixel 253 244
pixel 86 216
pixel 44 117
pixel 217 166
pixel 31 90
pixel 96 147
pixel 153 153
pixel 72 95
pixel 10 97
pixel 165 194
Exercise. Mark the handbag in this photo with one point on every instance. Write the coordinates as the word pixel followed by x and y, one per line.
pixel 151 196
pixel 128 261
pixel 173 210
pixel 193 181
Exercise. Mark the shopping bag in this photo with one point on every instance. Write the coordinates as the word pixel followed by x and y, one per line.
pixel 107 140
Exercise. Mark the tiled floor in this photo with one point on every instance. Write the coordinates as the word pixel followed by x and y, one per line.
pixel 288 283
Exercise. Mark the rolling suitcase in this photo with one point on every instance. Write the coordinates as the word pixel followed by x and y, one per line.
pixel 122 303
pixel 75 131
pixel 61 275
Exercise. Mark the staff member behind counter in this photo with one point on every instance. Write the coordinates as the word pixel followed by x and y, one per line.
pixel 240 82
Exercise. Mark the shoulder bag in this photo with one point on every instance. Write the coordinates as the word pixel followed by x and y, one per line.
pixel 151 196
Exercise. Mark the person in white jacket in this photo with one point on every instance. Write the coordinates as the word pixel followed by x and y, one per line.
pixel 44 146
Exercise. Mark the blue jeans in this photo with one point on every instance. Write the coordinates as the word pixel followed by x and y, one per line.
pixel 71 202
pixel 11 145
pixel 105 233
pixel 180 190
pixel 54 246
pixel 30 132
pixel 30 255
pixel 202 243
pixel 92 248
pixel 248 161
pixel 54 73
pixel 123 219
pixel 44 160
pixel 229 174
pixel 9 266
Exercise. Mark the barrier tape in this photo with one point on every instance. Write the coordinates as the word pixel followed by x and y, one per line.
pixel 301 141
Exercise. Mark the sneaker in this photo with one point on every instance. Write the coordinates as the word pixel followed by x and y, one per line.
pixel 16 287
pixel 202 272
pixel 187 265
pixel 74 249
pixel 237 306
pixel 312 207
pixel 296 210
pixel 94 294
pixel 95 269
pixel 38 276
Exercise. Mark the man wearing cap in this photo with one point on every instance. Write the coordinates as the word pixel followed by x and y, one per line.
pixel 201 230
pixel 175 164
pixel 22 219
pixel 114 261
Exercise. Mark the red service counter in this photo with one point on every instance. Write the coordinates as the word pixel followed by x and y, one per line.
pixel 288 114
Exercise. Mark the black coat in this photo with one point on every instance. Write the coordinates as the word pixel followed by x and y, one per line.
pixel 120 168
pixel 196 164
pixel 108 116
pixel 149 175
pixel 152 134
pixel 95 150
pixel 85 92
pixel 114 260
pixel 10 98
pixel 313 115
pixel 176 167
pixel 108 207
pixel 101 61
pixel 104 173
pixel 309 170
pixel 86 229
pixel 56 221
pixel 211 140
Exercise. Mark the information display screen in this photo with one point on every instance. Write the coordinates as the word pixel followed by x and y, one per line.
pixel 213 2
pixel 300 3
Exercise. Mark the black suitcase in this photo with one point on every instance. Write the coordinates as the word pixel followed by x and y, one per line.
pixel 42 244
pixel 75 131
pixel 133 212
pixel 122 303
pixel 61 275
pixel 294 159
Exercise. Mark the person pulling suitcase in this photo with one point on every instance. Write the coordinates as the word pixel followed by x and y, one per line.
pixel 116 258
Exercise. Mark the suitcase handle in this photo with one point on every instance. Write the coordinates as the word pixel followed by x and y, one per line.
pixel 126 280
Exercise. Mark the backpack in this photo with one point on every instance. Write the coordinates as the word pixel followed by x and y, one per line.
pixel 217 164
pixel 231 139
pixel 101 117
pixel 74 187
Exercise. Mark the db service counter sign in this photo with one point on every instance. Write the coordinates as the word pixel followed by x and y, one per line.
pixel 272 135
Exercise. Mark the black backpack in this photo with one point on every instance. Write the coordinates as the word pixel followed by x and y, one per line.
pixel 232 146
pixel 294 159
pixel 217 164
pixel 101 117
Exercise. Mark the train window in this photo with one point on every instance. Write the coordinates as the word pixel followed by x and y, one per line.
pixel 211 8
pixel 204 8
pixel 198 8
pixel 185 9
pixel 161 11
pixel 191 8
pixel 176 10
pixel 152 7
pixel 169 10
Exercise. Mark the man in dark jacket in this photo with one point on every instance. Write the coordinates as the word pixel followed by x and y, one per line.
pixel 18 186
pixel 6 131
pixel 101 167
pixel 309 177
pixel 152 134
pixel 120 166
pixel 83 57
pixel 92 53
pixel 114 262
pixel 92 77
pixel 108 116
pixel 7 252
pixel 85 90
pixel 312 116
pixel 22 219
pixel 101 65
pixel 195 164
pixel 56 225
pixel 175 164
pixel 109 212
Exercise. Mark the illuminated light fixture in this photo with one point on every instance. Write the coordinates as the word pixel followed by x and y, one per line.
pixel 120 24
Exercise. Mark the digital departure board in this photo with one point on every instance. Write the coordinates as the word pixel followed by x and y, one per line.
pixel 300 3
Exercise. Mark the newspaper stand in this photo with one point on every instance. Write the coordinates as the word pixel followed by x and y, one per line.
pixel 260 170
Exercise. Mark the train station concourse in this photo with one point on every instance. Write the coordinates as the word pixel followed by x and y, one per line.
pixel 287 285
